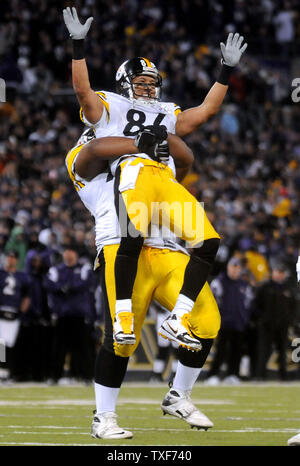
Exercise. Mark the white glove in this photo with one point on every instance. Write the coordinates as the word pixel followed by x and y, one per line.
pixel 76 29
pixel 298 269
pixel 232 51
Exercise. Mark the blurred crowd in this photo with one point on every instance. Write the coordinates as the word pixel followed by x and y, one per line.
pixel 247 158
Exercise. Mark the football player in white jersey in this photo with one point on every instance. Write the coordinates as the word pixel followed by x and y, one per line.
pixel 142 178
pixel 102 111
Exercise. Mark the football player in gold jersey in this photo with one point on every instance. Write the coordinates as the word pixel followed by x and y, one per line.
pixel 139 83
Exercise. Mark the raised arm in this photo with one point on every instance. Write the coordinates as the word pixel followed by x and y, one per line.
pixel 89 101
pixel 189 120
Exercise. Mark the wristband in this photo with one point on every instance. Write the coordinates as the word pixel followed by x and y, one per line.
pixel 224 75
pixel 78 49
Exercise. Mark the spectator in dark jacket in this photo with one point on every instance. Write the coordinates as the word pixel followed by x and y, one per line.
pixel 234 297
pixel 14 301
pixel 275 312
pixel 69 295
pixel 35 338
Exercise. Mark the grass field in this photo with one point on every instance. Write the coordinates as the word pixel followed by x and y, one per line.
pixel 247 415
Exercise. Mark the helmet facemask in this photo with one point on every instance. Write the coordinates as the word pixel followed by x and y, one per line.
pixel 132 69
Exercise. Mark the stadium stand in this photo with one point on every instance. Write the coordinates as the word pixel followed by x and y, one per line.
pixel 247 158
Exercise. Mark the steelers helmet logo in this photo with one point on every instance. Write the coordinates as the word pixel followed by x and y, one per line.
pixel 132 68
pixel 121 71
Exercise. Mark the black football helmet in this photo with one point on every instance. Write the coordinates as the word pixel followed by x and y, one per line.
pixel 136 67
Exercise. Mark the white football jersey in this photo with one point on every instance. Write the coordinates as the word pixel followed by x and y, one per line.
pixel 124 117
pixel 121 117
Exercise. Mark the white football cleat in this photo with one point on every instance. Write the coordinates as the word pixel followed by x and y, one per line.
pixel 294 441
pixel 178 403
pixel 105 425
pixel 176 327
pixel 123 328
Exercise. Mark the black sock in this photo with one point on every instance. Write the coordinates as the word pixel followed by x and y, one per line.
pixel 110 369
pixel 198 268
pixel 126 266
pixel 195 276
pixel 195 358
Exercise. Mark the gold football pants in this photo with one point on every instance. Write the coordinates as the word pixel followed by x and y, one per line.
pixel 160 277
pixel 157 198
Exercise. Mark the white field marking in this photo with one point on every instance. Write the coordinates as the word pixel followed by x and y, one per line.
pixel 38 427
pixel 155 429
pixel 222 410
pixel 228 415
pixel 81 402
pixel 246 430
pixel 38 406
pixel 47 403
pixel 257 430
pixel 282 419
pixel 42 385
pixel 53 428
pixel 195 400
pixel 236 388
pixel 46 416
pixel 49 433
pixel 83 444
pixel 285 419
pixel 161 418
pixel 66 416
pixel 53 444
pixel 201 385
